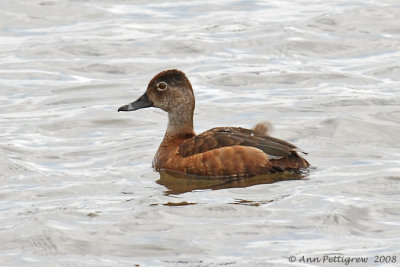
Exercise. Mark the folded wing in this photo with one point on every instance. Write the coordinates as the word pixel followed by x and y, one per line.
pixel 230 136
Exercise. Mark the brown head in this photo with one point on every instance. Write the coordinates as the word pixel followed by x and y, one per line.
pixel 172 92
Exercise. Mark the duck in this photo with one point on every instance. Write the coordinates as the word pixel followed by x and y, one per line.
pixel 221 152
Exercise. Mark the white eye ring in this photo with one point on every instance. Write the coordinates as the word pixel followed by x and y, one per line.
pixel 162 86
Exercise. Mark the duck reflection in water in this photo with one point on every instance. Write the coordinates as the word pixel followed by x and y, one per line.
pixel 219 156
pixel 179 183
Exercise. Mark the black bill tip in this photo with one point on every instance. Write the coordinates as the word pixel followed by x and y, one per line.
pixel 141 102
pixel 124 108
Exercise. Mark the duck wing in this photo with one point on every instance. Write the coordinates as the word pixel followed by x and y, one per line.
pixel 231 136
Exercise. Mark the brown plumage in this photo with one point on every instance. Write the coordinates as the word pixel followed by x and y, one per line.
pixel 221 152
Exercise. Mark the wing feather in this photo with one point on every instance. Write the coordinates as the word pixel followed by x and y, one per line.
pixel 230 136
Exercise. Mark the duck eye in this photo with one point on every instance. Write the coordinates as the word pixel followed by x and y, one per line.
pixel 161 86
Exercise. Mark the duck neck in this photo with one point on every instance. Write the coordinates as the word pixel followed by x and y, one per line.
pixel 180 127
pixel 180 123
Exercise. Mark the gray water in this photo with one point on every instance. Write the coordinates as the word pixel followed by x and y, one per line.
pixel 76 183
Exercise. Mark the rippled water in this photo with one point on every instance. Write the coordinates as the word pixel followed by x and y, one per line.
pixel 76 184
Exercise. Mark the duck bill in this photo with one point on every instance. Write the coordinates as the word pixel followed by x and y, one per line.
pixel 141 102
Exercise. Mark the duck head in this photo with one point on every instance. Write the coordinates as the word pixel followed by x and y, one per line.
pixel 172 92
pixel 169 90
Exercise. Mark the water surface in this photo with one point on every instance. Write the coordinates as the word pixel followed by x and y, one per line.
pixel 76 185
